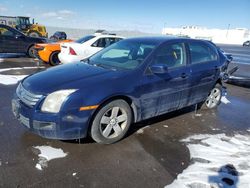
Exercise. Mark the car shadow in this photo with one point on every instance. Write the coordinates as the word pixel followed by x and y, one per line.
pixel 136 126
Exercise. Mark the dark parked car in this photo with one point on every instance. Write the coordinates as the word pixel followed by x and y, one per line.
pixel 13 41
pixel 129 81
pixel 59 35
pixel 247 43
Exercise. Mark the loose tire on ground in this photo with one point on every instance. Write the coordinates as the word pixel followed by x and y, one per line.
pixel 111 122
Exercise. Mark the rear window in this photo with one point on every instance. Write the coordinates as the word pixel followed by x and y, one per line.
pixel 85 39
pixel 201 53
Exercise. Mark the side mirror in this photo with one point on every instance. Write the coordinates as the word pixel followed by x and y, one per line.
pixel 159 69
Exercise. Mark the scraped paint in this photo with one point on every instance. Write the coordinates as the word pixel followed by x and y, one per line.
pixel 217 161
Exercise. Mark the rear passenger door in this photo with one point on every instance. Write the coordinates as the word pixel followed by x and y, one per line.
pixel 205 70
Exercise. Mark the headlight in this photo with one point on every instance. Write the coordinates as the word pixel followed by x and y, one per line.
pixel 53 101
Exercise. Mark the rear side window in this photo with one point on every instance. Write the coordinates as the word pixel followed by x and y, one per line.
pixel 201 53
pixel 173 55
pixel 105 42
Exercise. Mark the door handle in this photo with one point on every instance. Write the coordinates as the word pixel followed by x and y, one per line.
pixel 184 75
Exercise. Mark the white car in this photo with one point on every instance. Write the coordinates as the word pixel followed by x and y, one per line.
pixel 85 47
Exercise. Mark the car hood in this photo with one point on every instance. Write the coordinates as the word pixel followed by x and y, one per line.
pixel 69 76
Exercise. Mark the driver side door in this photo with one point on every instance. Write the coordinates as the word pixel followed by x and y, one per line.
pixel 10 43
pixel 169 91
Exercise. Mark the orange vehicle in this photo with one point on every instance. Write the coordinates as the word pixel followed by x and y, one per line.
pixel 48 53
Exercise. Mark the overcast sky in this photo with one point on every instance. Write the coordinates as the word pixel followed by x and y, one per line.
pixel 147 15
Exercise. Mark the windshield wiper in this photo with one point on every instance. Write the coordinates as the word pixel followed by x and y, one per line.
pixel 105 66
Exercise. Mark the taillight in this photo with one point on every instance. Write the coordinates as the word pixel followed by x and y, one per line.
pixel 71 51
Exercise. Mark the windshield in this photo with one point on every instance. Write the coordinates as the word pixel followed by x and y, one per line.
pixel 84 39
pixel 123 55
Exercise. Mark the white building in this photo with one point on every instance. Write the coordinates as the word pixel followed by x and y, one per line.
pixel 223 36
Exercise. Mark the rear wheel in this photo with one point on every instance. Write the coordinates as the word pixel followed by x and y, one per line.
pixel 111 122
pixel 53 59
pixel 31 51
pixel 34 34
pixel 214 97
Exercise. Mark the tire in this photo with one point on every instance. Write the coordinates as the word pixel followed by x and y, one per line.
pixel 106 127
pixel 34 34
pixel 31 51
pixel 53 58
pixel 214 98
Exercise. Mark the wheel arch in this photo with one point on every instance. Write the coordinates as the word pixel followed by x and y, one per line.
pixel 127 99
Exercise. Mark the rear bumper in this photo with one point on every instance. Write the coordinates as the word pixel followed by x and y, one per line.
pixel 65 58
pixel 72 124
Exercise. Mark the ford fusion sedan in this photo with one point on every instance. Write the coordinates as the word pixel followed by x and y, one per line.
pixel 13 41
pixel 86 47
pixel 129 81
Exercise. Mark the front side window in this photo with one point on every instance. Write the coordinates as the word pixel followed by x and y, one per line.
pixel 123 55
pixel 105 42
pixel 172 55
pixel 201 53
pixel 100 43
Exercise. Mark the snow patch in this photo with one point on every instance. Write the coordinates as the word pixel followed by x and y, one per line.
pixel 10 79
pixel 38 166
pixel 48 153
pixel 225 100
pixel 141 131
pixel 74 174
pixel 1 60
pixel 217 161
pixel 13 79
pixel 198 115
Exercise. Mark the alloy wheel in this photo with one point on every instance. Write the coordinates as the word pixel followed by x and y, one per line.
pixel 113 122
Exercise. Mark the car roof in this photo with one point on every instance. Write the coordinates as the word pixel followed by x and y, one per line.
pixel 111 36
pixel 162 39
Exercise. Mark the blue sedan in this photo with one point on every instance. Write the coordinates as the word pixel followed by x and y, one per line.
pixel 132 80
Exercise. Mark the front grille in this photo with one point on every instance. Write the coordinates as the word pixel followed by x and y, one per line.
pixel 27 97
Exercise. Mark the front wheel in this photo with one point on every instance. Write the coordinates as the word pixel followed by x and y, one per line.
pixel 214 97
pixel 111 122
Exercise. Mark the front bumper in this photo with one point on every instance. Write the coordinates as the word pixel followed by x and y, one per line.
pixel 72 124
